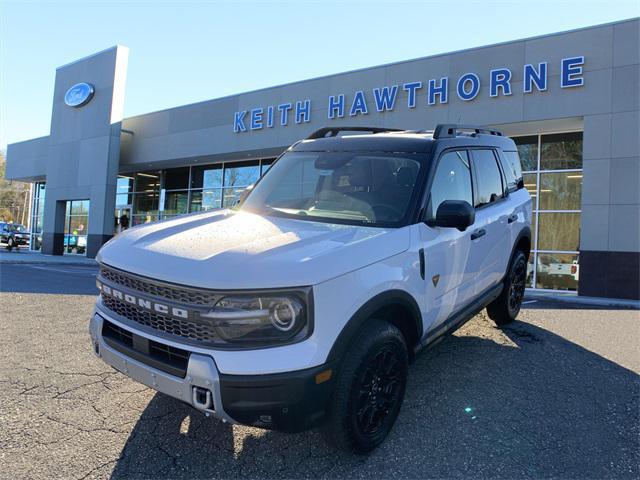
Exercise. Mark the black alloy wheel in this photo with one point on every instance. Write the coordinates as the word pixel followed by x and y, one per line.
pixel 516 287
pixel 504 309
pixel 379 392
pixel 369 388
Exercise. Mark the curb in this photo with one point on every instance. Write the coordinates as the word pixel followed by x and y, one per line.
pixel 580 300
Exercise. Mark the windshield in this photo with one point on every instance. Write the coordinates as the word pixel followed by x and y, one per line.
pixel 14 227
pixel 346 187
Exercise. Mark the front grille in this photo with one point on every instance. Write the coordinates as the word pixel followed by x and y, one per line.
pixel 174 326
pixel 158 355
pixel 187 296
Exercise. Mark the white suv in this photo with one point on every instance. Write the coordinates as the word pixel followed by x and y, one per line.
pixel 304 305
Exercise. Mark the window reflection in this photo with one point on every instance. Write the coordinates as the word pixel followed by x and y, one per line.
pixel 528 151
pixel 557 271
pixel 558 231
pixel 560 191
pixel 561 151
pixel 176 202
pixel 241 175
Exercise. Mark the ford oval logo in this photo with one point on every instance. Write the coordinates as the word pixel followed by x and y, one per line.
pixel 79 94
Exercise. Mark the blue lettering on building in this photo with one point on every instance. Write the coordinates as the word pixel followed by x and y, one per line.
pixel 571 72
pixel 284 108
pixel 359 104
pixel 270 116
pixel 238 122
pixel 468 86
pixel 499 79
pixel 336 106
pixel 440 90
pixel 385 98
pixel 303 111
pixel 256 119
pixel 411 88
pixel 535 77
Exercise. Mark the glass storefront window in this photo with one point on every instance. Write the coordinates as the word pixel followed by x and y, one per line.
pixel 557 271
pixel 561 151
pixel 78 207
pixel 176 178
pixel 186 189
pixel 265 165
pixel 528 151
pixel 208 176
pixel 76 226
pixel 230 196
pixel 556 201
pixel 176 203
pixel 146 181
pixel 241 174
pixel 124 187
pixel 37 215
pixel 531 184
pixel 558 231
pixel 560 191
pixel 205 200
pixel 145 202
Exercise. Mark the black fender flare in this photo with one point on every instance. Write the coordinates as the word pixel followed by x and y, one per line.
pixel 358 320
pixel 524 233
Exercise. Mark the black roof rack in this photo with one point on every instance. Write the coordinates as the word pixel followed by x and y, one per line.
pixel 446 130
pixel 334 131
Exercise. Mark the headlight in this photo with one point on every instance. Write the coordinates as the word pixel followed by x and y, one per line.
pixel 264 319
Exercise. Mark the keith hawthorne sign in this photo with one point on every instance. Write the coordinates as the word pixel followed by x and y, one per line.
pixel 383 99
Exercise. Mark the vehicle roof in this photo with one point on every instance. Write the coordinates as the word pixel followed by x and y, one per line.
pixel 401 141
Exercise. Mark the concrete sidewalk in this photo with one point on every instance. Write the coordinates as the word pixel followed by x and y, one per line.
pixel 573 298
pixel 24 256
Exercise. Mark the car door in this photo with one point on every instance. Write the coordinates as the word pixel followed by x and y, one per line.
pixel 490 236
pixel 446 251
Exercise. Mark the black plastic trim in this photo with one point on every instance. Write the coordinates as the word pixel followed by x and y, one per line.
pixel 461 317
pixel 388 298
pixel 133 350
pixel 288 402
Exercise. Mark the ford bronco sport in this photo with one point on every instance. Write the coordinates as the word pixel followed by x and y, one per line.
pixel 303 305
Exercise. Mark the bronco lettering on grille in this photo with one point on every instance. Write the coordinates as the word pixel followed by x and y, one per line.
pixel 147 304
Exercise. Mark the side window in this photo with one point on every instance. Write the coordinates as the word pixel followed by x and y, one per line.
pixel 488 177
pixel 452 181
pixel 512 169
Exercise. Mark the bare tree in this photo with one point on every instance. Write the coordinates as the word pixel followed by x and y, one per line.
pixel 14 197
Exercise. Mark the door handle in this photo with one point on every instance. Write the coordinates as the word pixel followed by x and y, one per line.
pixel 512 218
pixel 478 233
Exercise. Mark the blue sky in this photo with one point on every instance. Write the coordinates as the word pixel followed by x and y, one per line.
pixel 183 52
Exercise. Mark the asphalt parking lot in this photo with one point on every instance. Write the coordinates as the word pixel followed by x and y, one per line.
pixel 555 395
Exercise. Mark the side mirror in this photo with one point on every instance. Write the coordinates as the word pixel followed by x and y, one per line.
pixel 454 214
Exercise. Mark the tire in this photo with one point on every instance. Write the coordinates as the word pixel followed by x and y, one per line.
pixel 369 389
pixel 10 244
pixel 504 309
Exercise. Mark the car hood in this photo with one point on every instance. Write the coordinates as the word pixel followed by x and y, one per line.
pixel 239 250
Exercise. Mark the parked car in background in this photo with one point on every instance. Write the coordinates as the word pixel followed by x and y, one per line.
pixel 13 235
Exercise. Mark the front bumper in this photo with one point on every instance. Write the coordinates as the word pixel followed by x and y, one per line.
pixel 290 402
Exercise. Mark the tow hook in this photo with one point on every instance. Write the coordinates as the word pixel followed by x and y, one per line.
pixel 202 398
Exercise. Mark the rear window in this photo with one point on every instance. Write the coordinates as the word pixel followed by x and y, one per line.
pixel 512 169
pixel 488 178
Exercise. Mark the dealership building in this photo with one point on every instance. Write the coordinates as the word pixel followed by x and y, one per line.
pixel 570 100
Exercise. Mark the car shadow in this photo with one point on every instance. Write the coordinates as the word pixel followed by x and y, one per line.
pixel 530 405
